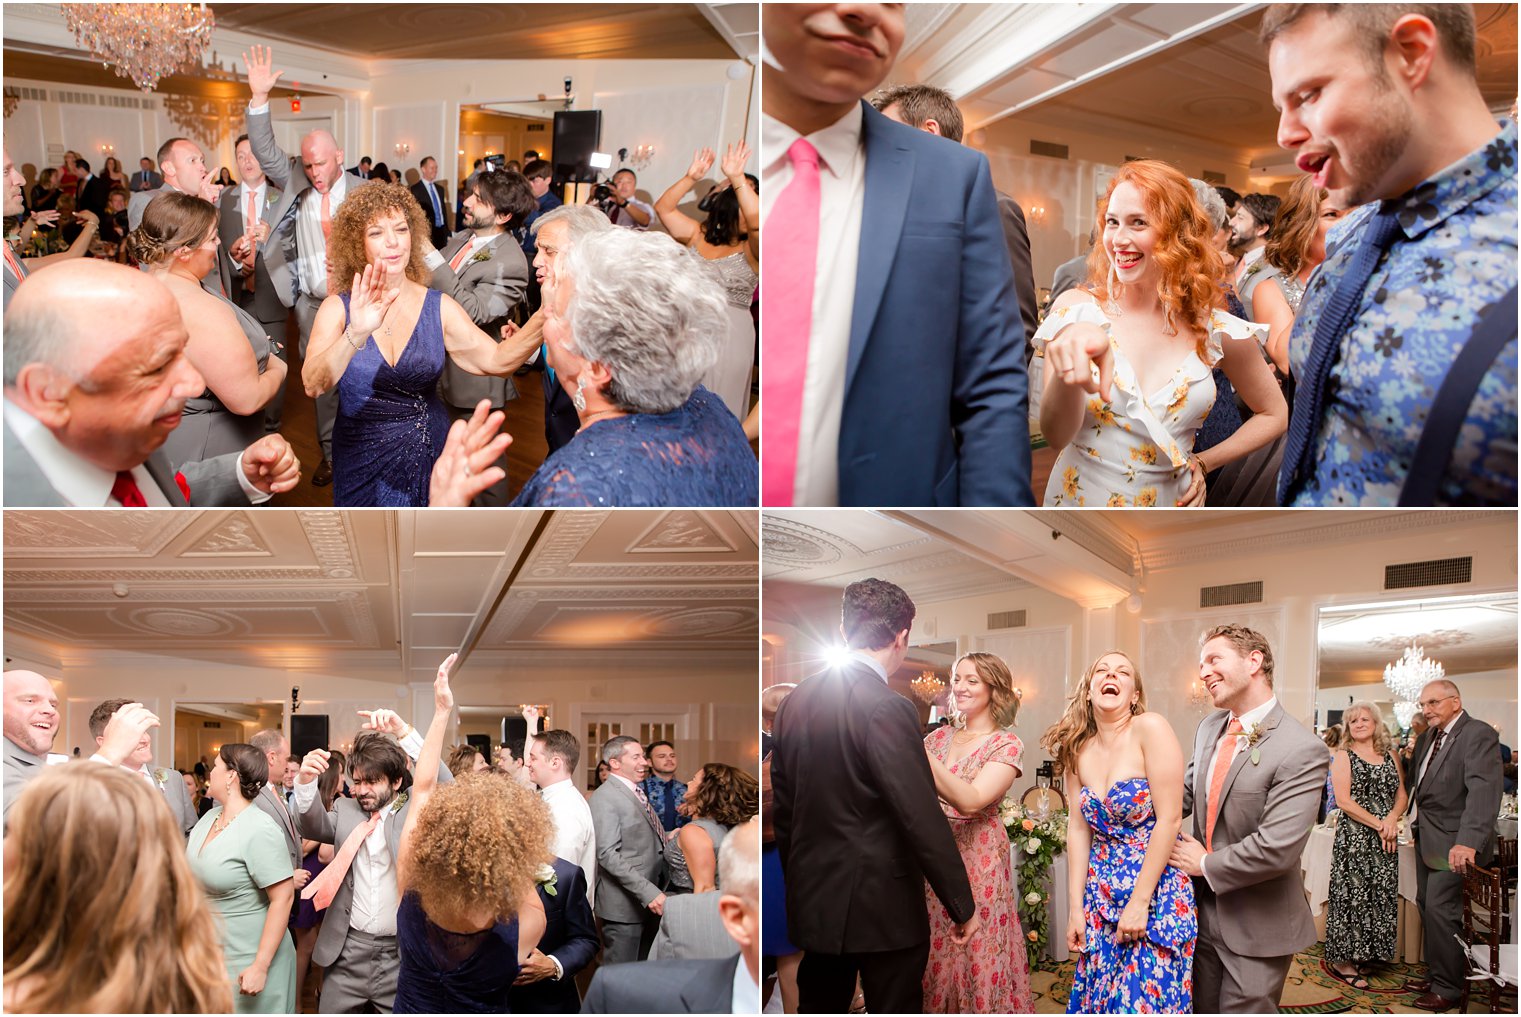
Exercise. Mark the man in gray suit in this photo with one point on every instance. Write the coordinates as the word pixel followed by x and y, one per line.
pixel 313 185
pixel 357 944
pixel 185 171
pixel 692 929
pixel 1253 784
pixel 140 760
pixel 483 268
pixel 95 379
pixel 271 798
pixel 1457 797
pixel 245 230
pixel 630 855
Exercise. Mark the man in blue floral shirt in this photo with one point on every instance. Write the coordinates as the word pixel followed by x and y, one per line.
pixel 661 787
pixel 1382 105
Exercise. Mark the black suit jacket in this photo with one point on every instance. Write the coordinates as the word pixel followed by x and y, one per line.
pixel 703 986
pixel 570 937
pixel 93 195
pixel 440 234
pixel 857 820
pixel 1460 797
pixel 1016 237
pixel 560 420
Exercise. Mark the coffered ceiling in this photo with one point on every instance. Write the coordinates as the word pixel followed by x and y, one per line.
pixel 385 595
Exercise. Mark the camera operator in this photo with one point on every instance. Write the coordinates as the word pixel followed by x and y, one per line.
pixel 621 206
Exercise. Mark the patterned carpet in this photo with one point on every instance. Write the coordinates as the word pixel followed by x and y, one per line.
pixel 1310 989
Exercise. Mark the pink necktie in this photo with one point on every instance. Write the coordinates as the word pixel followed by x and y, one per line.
pixel 321 890
pixel 459 257
pixel 250 217
pixel 1223 756
pixel 787 320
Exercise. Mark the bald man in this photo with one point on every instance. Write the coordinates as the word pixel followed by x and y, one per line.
pixel 95 379
pixel 313 185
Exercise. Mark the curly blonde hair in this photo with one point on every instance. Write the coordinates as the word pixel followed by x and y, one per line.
pixel 102 912
pixel 479 839
pixel 1065 739
pixel 345 245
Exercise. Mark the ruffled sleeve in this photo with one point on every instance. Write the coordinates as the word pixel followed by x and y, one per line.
pixel 1224 327
pixel 1086 310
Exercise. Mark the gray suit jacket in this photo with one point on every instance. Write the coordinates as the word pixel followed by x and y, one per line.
pixel 11 285
pixel 334 827
pixel 1069 274
pixel 264 303
pixel 630 853
pixel 694 986
pixel 690 929
pixel 20 768
pixel 273 806
pixel 1267 810
pixel 178 799
pixel 213 482
pixel 488 289
pixel 216 283
pixel 285 172
pixel 1459 798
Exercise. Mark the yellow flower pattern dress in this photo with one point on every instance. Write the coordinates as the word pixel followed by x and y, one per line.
pixel 1133 451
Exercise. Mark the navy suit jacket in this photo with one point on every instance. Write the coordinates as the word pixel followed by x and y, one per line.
pixel 935 389
pixel 570 936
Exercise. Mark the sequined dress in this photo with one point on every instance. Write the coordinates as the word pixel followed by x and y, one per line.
pixel 391 424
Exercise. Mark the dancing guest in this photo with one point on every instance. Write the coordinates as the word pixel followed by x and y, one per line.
pixel 31 724
pixel 465 869
pixel 381 340
pixel 184 168
pixel 1127 362
pixel 631 862
pixel 1296 245
pixel 239 857
pixel 1250 223
pixel 853 794
pixel 246 228
pixel 975 762
pixel 719 798
pixel 102 911
pixel 276 748
pixel 178 241
pixel 1133 923
pixel 465 759
pixel 552 759
pixel 1250 826
pixel 631 324
pixel 305 919
pixel 16 268
pixel 661 787
pixel 1363 912
pixel 728 241
pixel 140 762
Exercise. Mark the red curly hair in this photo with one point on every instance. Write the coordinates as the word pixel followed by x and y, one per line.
pixel 1191 267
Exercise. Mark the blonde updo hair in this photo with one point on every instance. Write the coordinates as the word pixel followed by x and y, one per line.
pixel 102 912
pixel 171 222
pixel 1003 705
pixel 1065 739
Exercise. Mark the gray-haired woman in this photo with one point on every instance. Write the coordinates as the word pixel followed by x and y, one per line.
pixel 631 324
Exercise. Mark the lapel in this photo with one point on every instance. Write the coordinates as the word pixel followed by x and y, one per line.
pixel 162 472
pixel 1440 760
pixel 889 180
pixel 713 990
pixel 16 754
pixel 648 813
pixel 1265 729
pixel 286 820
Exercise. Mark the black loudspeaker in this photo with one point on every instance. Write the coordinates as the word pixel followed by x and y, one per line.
pixel 307 731
pixel 1333 717
pixel 515 733
pixel 577 135
pixel 480 743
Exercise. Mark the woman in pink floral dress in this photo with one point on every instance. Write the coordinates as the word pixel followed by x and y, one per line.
pixel 974 763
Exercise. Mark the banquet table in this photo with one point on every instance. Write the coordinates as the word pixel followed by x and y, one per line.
pixel 1315 862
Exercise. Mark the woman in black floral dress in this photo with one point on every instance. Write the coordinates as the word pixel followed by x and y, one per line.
pixel 1361 918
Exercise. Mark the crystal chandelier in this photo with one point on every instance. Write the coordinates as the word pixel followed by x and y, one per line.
pixel 1404 712
pixel 1411 673
pixel 143 42
pixel 928 687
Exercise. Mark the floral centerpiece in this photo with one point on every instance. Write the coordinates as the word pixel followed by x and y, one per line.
pixel 1038 842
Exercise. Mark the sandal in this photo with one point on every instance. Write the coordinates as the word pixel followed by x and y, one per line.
pixel 1352 978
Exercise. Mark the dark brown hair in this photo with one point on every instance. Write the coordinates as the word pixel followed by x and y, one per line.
pixel 251 766
pixel 873 612
pixel 918 103
pixel 171 221
pixel 1372 23
pixel 726 795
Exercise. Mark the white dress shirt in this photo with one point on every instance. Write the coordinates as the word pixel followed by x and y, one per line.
pixel 863 657
pixel 842 197
pixel 311 245
pixel 258 196
pixel 80 482
pixel 575 837
pixel 1248 720
pixel 746 997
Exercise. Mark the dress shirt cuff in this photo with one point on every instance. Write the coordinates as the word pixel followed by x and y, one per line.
pixel 433 261
pixel 305 794
pixel 256 110
pixel 1204 871
pixel 559 968
pixel 255 496
pixel 412 744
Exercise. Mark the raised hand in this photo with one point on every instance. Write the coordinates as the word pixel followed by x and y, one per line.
pixel 702 161
pixel 313 765
pixel 388 721
pixel 211 190
pixel 531 714
pixel 464 469
pixel 49 217
pixel 735 157
pixel 260 64
pixel 1071 356
pixel 443 696
pixel 369 300
pixel 125 730
pixel 86 216
pixel 270 464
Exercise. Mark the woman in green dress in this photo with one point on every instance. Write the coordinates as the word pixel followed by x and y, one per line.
pixel 239 856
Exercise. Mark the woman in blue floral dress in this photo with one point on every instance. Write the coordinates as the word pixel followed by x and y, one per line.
pixel 1135 930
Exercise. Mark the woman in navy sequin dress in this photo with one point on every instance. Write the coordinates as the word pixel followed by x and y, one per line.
pixel 380 339
pixel 1132 922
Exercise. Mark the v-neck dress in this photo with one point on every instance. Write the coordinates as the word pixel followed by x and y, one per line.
pixel 391 423
pixel 1133 451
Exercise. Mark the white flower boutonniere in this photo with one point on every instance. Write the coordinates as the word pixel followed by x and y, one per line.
pixel 161 776
pixel 546 877
pixel 1253 735
pixel 401 800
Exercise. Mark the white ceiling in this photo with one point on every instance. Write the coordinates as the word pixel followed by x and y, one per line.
pixel 385 594
pixel 1466 635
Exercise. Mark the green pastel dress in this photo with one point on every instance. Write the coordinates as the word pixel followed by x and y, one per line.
pixel 235 870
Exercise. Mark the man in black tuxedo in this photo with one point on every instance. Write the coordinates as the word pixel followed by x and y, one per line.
pixel 858 823
pixel 92 190
pixel 546 982
pixel 435 204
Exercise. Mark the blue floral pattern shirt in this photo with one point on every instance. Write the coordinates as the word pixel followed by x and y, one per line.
pixel 665 796
pixel 1457 256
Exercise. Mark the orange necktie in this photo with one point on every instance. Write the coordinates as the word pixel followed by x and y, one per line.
pixel 250 220
pixel 1223 756
pixel 459 257
pixel 13 262
pixel 327 216
pixel 321 890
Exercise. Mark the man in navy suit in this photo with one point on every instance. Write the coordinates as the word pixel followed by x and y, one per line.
pixel 546 982
pixel 893 342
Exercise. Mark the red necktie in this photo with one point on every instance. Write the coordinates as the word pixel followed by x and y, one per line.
pixel 14 262
pixel 787 319
pixel 459 257
pixel 126 492
pixel 1223 756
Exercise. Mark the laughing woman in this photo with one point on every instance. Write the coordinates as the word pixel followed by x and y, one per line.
pixel 1127 362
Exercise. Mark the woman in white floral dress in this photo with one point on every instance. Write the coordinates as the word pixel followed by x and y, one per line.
pixel 1121 379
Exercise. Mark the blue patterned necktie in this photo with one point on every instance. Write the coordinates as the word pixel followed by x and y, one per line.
pixel 1335 318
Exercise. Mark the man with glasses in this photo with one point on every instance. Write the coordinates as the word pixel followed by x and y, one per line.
pixel 1457 797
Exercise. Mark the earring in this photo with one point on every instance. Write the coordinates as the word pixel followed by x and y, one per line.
pixel 579 399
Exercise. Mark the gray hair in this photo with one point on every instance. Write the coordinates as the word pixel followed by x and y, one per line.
pixel 580 221
pixel 614 746
pixel 648 309
pixel 1211 202
pixel 42 334
pixel 739 862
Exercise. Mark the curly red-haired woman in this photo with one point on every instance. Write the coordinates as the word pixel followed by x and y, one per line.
pixel 1126 362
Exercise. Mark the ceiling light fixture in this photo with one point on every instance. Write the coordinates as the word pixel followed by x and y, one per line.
pixel 143 42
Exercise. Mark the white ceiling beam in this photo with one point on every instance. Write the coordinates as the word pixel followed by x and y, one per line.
pixel 998 41
pixel 744 41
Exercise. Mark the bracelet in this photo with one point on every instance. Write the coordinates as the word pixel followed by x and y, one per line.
pixel 1202 467
pixel 349 338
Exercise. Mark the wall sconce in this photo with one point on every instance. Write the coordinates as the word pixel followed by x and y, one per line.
pixel 640 157
pixel 1037 214
pixel 107 150
pixel 402 148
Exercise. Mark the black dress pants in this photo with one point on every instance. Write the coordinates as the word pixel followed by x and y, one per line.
pixel 892 981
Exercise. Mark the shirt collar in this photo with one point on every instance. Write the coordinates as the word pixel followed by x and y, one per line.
pixel 559 787
pixel 77 480
pixel 1255 715
pixel 1458 186
pixel 339 190
pixel 1254 255
pixel 257 192
pixel 745 990
pixel 626 782
pixel 1452 723
pixel 876 665
pixel 838 145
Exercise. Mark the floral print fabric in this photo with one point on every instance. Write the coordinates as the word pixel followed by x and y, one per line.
pixel 1152 975
pixel 1363 912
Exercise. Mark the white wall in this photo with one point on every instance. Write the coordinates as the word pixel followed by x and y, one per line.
pixel 1489 695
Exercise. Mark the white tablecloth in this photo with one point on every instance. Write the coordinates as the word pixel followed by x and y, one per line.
pixel 1316 864
pixel 1056 900
pixel 1506 828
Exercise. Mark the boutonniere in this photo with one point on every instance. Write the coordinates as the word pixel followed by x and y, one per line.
pixel 1253 735
pixel 484 254
pixel 161 776
pixel 401 800
pixel 546 877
